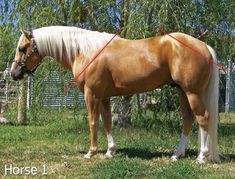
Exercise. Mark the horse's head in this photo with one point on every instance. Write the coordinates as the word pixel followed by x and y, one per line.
pixel 27 57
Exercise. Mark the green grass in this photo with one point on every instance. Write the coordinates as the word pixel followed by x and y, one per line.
pixel 61 144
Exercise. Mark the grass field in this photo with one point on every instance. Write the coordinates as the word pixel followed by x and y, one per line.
pixel 60 144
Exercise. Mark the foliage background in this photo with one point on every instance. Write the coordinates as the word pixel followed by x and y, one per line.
pixel 141 19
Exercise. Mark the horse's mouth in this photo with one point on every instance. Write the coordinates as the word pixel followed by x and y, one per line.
pixel 17 74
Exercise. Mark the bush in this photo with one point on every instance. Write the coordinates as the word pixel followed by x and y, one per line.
pixel 159 110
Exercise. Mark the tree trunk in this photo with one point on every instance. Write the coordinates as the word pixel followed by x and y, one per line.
pixel 123 118
pixel 22 110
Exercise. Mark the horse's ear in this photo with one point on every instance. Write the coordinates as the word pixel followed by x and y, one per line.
pixel 27 34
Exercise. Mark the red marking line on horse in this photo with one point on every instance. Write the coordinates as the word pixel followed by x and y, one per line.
pixel 195 51
pixel 93 59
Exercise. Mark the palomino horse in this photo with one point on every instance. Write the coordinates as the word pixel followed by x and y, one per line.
pixel 127 67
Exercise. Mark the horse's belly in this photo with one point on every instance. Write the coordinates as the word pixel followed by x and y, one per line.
pixel 138 82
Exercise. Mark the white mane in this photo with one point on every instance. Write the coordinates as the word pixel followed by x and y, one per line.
pixel 58 41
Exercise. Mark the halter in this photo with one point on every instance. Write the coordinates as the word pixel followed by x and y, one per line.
pixel 28 56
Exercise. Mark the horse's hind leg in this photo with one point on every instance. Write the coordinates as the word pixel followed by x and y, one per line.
pixel 202 115
pixel 107 119
pixel 188 119
pixel 198 107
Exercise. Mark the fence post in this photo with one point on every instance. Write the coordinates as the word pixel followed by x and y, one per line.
pixel 22 110
pixel 29 91
pixel 6 77
pixel 228 87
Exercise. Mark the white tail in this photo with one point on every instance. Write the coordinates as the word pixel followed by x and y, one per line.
pixel 212 100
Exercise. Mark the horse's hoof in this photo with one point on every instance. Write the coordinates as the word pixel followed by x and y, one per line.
pixel 174 158
pixel 200 160
pixel 177 156
pixel 89 155
pixel 108 155
pixel 202 157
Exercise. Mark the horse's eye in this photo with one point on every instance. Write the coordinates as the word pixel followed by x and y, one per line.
pixel 22 49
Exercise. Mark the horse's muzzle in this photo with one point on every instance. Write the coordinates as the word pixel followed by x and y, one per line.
pixel 17 74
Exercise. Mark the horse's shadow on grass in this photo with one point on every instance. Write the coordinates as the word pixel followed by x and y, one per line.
pixel 147 154
pixel 228 157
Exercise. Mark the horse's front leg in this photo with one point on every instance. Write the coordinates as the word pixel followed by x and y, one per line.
pixel 93 108
pixel 107 119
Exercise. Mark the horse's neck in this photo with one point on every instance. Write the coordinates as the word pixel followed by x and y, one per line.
pixel 52 49
pixel 65 44
pixel 61 56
